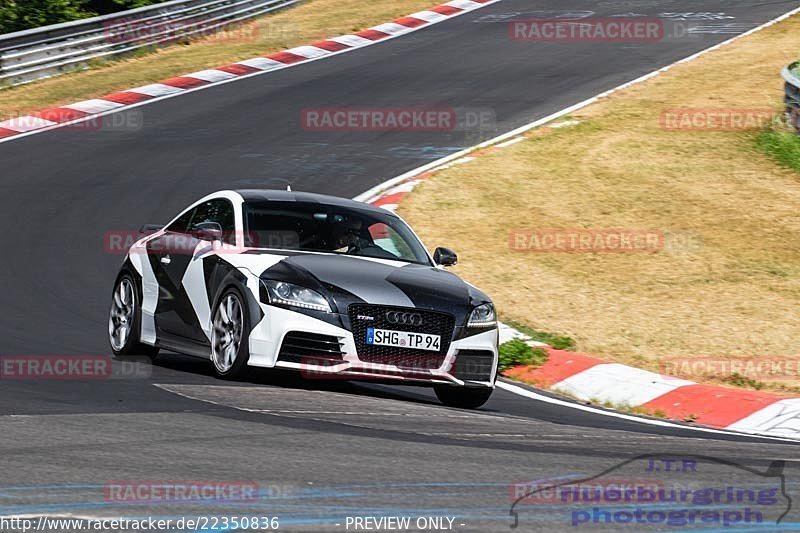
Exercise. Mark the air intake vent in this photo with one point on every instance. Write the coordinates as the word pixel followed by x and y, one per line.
pixel 310 348
pixel 474 365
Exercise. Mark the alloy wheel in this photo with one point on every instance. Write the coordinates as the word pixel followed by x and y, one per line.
pixel 120 320
pixel 227 333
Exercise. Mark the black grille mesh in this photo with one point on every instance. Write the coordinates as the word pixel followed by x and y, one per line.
pixel 310 348
pixel 474 365
pixel 433 322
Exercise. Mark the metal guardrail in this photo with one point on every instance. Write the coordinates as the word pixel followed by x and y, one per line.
pixel 52 50
pixel 792 94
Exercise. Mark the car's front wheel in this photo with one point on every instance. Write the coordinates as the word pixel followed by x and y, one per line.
pixel 125 318
pixel 229 336
pixel 462 397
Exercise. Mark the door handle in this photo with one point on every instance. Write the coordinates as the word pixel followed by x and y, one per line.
pixel 166 260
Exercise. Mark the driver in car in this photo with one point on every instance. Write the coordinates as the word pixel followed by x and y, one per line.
pixel 346 235
pixel 348 238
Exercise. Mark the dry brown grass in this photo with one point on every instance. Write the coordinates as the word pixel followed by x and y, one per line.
pixel 739 294
pixel 311 20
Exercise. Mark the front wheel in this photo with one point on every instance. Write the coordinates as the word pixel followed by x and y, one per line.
pixel 462 397
pixel 230 336
pixel 125 319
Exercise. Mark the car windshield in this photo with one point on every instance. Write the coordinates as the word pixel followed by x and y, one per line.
pixel 315 227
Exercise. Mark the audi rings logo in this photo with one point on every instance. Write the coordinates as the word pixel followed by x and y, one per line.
pixel 401 317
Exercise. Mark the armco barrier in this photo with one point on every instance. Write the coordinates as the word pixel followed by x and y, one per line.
pixel 792 97
pixel 51 50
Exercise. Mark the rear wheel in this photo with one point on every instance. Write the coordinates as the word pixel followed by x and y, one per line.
pixel 125 319
pixel 230 335
pixel 462 397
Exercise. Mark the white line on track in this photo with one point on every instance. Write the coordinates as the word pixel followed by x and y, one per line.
pixel 512 137
pixel 521 391
pixel 375 191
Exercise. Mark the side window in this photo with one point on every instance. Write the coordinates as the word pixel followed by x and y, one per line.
pixel 390 241
pixel 181 224
pixel 221 212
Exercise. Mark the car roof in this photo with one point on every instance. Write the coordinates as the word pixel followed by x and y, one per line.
pixel 272 195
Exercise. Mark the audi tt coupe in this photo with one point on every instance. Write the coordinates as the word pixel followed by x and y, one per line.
pixel 322 285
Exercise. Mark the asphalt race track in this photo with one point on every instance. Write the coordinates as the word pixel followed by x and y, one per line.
pixel 319 451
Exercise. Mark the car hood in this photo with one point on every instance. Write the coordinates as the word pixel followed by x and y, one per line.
pixel 347 279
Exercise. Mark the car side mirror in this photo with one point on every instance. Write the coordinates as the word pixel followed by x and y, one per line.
pixel 445 257
pixel 207 231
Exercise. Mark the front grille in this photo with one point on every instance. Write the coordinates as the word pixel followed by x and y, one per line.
pixel 311 349
pixel 433 322
pixel 474 365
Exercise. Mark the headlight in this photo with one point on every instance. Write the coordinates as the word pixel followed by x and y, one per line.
pixel 283 293
pixel 482 316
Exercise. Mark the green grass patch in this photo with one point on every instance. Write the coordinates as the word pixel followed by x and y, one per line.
pixel 784 146
pixel 516 352
pixel 739 380
pixel 559 342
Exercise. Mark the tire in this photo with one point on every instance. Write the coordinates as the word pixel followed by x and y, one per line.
pixel 125 320
pixel 230 334
pixel 462 397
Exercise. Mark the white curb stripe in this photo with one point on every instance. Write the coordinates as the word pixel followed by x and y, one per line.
pixel 619 384
pixel 392 28
pixel 463 4
pixel 262 63
pixel 309 52
pixel 403 187
pixel 508 333
pixel 210 75
pixel 510 142
pixel 520 391
pixel 428 16
pixel 156 89
pixel 351 40
pixel 779 418
pixel 94 106
pixel 26 123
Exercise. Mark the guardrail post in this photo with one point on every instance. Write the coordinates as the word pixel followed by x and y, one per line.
pixel 792 94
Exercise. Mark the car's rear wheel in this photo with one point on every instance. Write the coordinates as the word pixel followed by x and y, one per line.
pixel 229 336
pixel 463 397
pixel 125 318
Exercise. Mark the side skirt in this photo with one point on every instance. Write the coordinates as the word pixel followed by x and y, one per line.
pixel 184 346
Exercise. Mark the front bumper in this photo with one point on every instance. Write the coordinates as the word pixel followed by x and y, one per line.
pixel 470 361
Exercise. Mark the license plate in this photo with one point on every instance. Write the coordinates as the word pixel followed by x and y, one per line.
pixel 403 339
